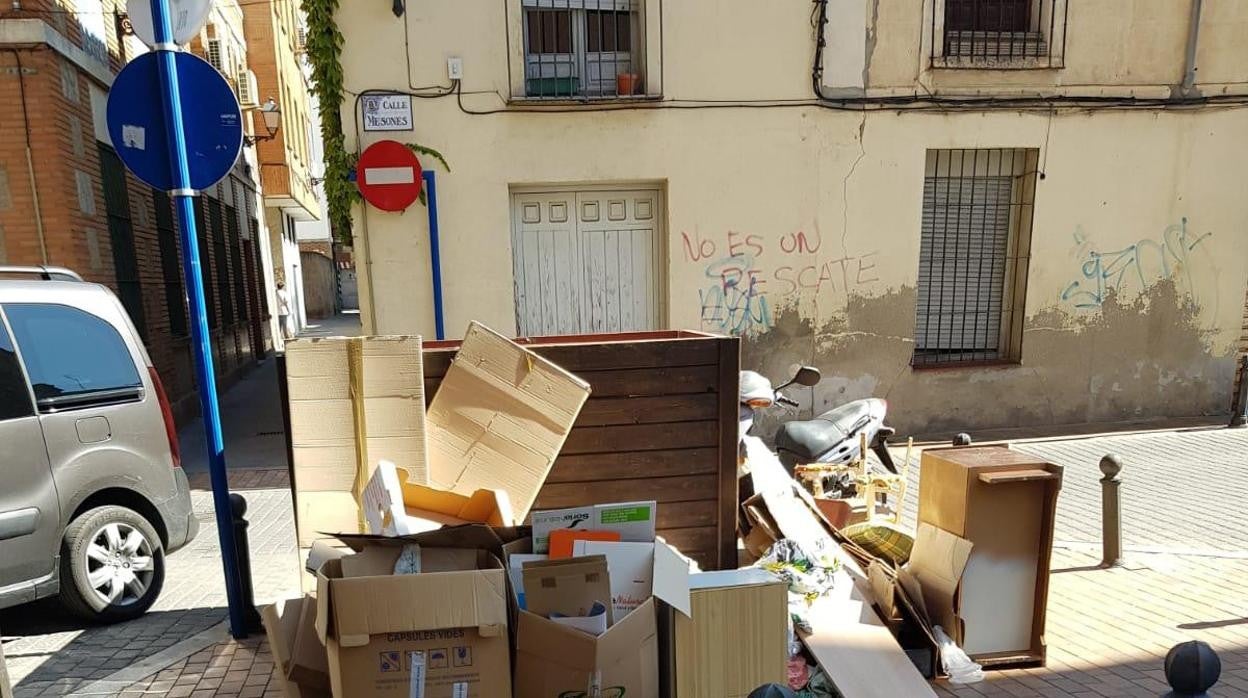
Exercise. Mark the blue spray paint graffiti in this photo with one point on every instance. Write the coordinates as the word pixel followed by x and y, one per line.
pixel 1134 266
pixel 735 303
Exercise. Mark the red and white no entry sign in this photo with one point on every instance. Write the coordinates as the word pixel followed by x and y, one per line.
pixel 388 175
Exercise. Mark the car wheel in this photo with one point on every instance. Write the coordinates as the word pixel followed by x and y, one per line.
pixel 112 565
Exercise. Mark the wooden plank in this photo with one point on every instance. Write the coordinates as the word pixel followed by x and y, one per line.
pixel 643 265
pixel 640 437
pixel 634 464
pixel 691 540
pixel 681 380
pixel 641 382
pixel 729 376
pixel 611 291
pixel 1003 476
pixel 687 515
pixel 661 489
pixel 630 287
pixel 648 410
pixel 610 356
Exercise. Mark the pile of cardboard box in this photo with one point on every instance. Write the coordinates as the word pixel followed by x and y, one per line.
pixel 425 585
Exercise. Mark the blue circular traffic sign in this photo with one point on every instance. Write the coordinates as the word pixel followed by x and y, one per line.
pixel 211 120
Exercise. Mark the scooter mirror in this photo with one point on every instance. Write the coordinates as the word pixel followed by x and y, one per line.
pixel 807 376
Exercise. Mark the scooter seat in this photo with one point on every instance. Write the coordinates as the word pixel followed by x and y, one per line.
pixel 811 439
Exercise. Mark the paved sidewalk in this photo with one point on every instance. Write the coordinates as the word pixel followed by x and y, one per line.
pixel 346 324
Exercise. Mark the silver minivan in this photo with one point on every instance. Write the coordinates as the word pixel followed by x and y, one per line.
pixel 92 495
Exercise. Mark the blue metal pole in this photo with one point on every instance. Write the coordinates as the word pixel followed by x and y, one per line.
pixel 184 201
pixel 435 255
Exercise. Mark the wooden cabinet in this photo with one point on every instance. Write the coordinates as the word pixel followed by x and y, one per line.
pixel 1002 501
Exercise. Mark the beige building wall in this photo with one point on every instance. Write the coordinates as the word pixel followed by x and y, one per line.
pixel 822 206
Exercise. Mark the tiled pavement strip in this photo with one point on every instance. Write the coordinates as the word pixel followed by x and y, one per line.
pixel 1108 630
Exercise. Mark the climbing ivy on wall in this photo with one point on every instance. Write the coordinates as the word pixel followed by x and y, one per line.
pixel 324 48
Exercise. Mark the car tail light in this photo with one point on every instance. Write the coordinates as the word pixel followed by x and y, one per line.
pixel 171 430
pixel 758 402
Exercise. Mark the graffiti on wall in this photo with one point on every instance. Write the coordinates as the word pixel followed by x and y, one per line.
pixel 748 276
pixel 1134 267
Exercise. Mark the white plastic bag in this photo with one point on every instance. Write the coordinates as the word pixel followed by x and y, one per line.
pixel 956 662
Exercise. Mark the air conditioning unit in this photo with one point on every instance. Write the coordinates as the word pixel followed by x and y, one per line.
pixel 248 92
pixel 215 55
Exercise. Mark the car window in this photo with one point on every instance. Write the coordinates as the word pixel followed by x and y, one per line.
pixel 14 398
pixel 69 352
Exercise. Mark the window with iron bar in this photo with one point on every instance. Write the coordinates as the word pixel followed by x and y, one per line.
pixel 998 33
pixel 583 49
pixel 121 237
pixel 975 244
pixel 236 262
pixel 221 260
pixel 205 269
pixel 167 236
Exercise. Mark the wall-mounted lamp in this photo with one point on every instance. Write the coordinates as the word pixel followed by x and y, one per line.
pixel 272 117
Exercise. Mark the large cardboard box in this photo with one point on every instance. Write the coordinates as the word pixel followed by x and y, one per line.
pixel 1002 502
pixel 353 401
pixel 455 621
pixel 499 418
pixel 282 624
pixel 736 638
pixel 553 660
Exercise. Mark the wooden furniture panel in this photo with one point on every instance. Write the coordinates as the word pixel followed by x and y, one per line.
pixel 660 423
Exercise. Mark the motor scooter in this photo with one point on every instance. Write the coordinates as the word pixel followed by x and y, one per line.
pixel 832 438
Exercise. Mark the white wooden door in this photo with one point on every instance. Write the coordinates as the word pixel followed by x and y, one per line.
pixel 585 262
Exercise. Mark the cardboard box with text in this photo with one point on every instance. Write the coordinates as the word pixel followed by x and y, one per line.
pixel 553 660
pixel 455 621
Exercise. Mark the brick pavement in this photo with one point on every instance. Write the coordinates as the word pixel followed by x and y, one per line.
pixel 1109 630
pixel 242 669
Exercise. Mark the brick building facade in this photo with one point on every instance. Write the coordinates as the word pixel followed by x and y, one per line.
pixel 67 200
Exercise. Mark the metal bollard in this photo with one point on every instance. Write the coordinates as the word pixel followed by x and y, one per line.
pixel 1239 414
pixel 1111 511
pixel 238 509
pixel 963 439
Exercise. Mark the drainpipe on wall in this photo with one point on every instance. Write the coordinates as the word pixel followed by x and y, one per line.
pixel 367 255
pixel 30 160
pixel 1188 89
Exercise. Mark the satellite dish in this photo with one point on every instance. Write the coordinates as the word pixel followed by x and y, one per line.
pixel 187 17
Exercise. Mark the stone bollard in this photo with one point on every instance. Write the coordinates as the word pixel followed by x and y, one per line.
pixel 242 546
pixel 1111 511
pixel 1192 668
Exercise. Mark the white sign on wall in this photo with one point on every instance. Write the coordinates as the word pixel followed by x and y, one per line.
pixel 387 113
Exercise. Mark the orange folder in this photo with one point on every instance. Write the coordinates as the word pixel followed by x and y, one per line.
pixel 561 540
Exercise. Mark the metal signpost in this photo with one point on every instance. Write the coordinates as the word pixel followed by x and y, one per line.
pixel 176 124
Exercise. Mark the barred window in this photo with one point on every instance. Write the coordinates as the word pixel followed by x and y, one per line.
pixel 171 271
pixel 974 247
pixel 583 48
